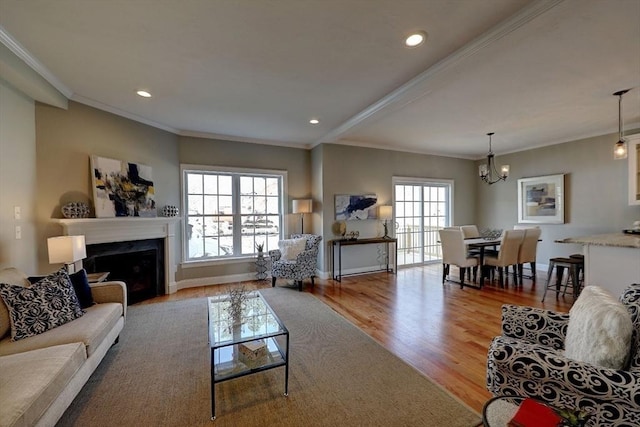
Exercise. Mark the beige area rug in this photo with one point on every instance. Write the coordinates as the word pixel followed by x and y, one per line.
pixel 158 375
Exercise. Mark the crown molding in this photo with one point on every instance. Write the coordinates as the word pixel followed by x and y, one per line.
pixel 248 140
pixel 419 85
pixel 21 52
pixel 118 112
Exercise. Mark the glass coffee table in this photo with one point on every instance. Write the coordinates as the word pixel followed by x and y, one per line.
pixel 253 342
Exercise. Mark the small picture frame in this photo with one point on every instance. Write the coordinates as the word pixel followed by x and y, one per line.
pixel 541 200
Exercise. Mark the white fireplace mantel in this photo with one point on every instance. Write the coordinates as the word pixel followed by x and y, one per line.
pixel 110 230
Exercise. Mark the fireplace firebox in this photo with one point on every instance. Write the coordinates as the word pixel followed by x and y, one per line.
pixel 138 263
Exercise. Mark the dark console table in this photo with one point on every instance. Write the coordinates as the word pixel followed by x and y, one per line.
pixel 340 243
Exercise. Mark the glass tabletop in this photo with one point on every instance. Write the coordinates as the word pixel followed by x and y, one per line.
pixel 256 321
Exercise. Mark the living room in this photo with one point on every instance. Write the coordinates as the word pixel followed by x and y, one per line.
pixel 45 153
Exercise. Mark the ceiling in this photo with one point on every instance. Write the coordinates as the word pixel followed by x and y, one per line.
pixel 534 72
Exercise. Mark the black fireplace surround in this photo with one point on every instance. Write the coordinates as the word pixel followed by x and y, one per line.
pixel 138 263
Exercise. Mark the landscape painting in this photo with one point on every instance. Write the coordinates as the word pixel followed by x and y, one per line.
pixel 356 206
pixel 122 188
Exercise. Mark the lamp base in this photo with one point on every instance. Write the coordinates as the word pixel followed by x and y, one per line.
pixel 386 231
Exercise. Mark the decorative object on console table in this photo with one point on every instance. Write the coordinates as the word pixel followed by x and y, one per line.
pixel 75 210
pixel 302 206
pixel 541 200
pixel 68 250
pixel 170 211
pixel 122 188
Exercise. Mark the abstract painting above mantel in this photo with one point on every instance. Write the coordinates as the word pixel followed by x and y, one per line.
pixel 355 206
pixel 541 200
pixel 122 188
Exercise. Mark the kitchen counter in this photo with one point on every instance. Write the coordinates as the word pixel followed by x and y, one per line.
pixel 619 240
pixel 611 261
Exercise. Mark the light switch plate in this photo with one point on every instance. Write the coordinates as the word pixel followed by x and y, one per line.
pixel 17 212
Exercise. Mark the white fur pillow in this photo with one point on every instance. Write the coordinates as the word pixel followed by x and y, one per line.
pixel 291 248
pixel 599 330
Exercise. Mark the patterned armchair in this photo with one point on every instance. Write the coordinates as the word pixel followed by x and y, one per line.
pixel 304 266
pixel 528 360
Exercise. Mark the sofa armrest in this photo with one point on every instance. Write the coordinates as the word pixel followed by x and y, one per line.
pixel 275 255
pixel 113 291
pixel 518 368
pixel 535 325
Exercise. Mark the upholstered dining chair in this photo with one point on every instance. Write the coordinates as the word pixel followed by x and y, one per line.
pixel 507 255
pixel 295 259
pixel 527 252
pixel 470 231
pixel 454 252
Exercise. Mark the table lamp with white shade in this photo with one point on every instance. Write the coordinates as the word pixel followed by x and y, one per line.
pixel 302 206
pixel 68 250
pixel 385 213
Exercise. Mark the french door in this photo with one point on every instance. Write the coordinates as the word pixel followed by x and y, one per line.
pixel 421 208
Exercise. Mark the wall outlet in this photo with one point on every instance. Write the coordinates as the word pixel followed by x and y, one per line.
pixel 18 232
pixel 17 212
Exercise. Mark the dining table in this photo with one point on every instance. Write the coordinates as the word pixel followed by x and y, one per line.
pixel 481 243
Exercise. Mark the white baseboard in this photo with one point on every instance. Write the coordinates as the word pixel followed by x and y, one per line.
pixel 216 280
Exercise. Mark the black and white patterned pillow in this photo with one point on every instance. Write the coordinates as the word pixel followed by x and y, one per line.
pixel 45 305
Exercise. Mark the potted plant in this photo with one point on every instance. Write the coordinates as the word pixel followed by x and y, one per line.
pixel 260 248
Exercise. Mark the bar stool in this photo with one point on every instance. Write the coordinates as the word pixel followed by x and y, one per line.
pixel 573 265
pixel 580 258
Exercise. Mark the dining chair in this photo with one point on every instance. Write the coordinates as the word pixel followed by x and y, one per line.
pixel 470 231
pixel 527 252
pixel 454 252
pixel 507 255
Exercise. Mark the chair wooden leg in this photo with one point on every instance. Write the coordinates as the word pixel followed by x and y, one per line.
pixel 475 274
pixel 273 282
pixel 463 271
pixel 501 274
pixel 312 283
pixel 533 270
pixel 445 271
pixel 299 285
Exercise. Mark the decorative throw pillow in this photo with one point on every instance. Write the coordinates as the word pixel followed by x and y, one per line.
pixel 291 248
pixel 45 305
pixel 599 330
pixel 80 283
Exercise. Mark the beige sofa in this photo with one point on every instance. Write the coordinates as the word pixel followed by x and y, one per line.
pixel 41 375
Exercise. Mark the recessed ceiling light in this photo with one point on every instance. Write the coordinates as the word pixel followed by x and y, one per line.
pixel 415 39
pixel 314 121
pixel 144 94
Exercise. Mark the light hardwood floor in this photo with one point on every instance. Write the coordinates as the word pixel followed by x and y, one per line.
pixel 441 330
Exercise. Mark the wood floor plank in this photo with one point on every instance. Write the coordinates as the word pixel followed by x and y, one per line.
pixel 441 330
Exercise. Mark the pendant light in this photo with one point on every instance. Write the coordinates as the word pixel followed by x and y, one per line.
pixel 488 172
pixel 620 149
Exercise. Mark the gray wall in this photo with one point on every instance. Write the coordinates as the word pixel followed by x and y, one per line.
pixel 65 141
pixel 357 170
pixel 17 179
pixel 296 161
pixel 595 192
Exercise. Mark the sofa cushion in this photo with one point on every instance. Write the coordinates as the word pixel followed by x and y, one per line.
pixel 80 282
pixel 291 248
pixel 30 382
pixel 90 329
pixel 599 330
pixel 45 305
pixel 15 277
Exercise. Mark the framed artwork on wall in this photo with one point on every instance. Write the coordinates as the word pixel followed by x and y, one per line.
pixel 541 200
pixel 355 206
pixel 122 188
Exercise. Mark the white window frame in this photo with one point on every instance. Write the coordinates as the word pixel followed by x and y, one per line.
pixel 236 257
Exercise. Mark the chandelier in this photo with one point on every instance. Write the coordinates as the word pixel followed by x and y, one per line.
pixel 620 149
pixel 488 172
